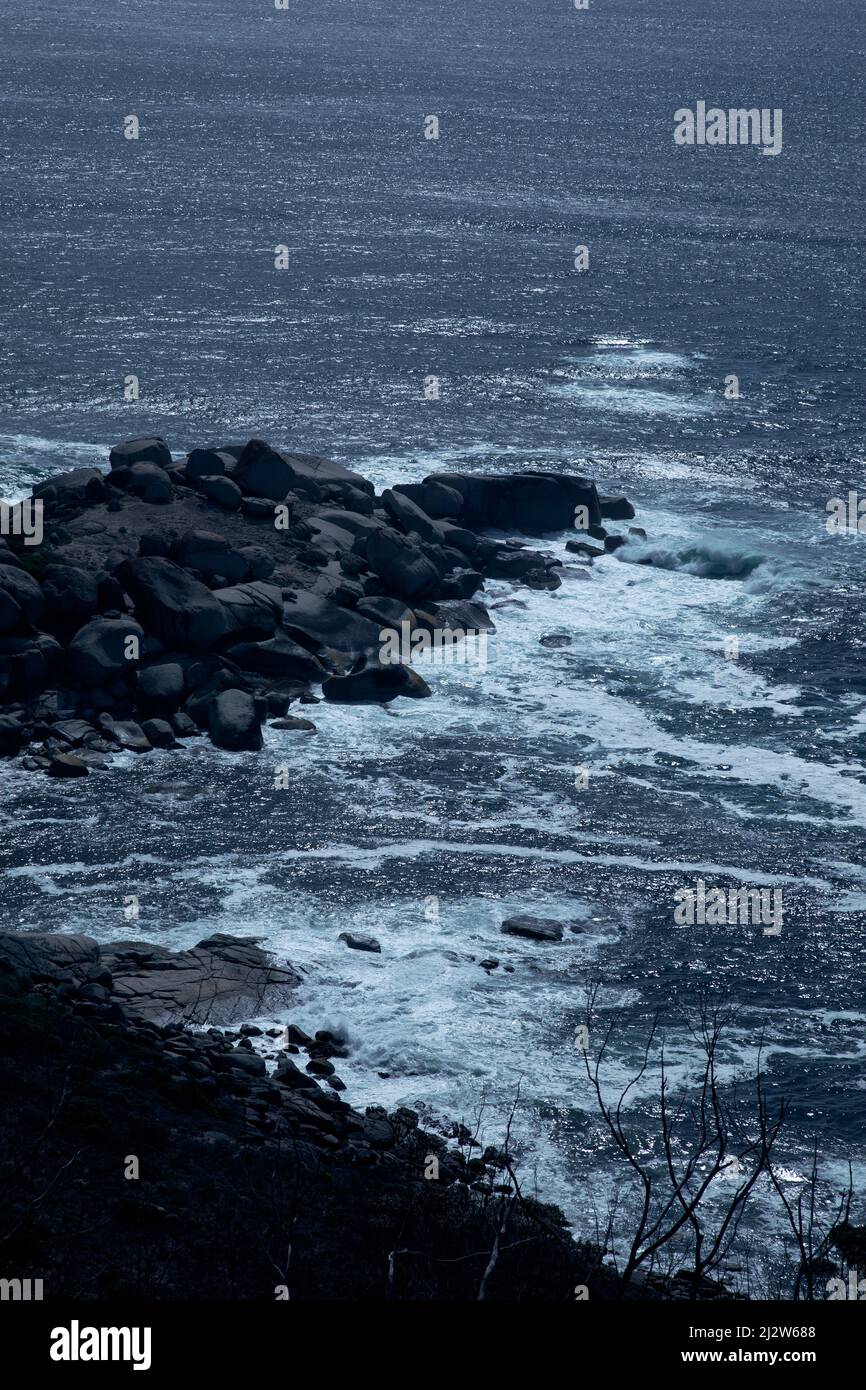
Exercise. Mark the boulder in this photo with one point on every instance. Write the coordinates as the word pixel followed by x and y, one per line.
pixel 434 498
pixel 71 596
pixel 409 516
pixel 259 563
pixel 462 584
pixel 52 956
pixel 207 463
pixel 375 685
pixel 174 606
pixel 319 624
pixel 150 482
pixel 161 687
pixel 71 732
pixel 11 614
pixel 402 566
pixel 458 538
pixel 260 508
pixel 27 662
pixel 129 735
pixel 360 941
pixel 159 733
pixel 386 612
pixel 80 485
pixel 616 508
pixel 294 722
pixel 151 449
pixel 12 734
pixel 99 651
pixel 24 590
pixel 253 609
pixel 288 1074
pixel 222 491
pixel 535 928
pixel 531 501
pixel 278 657
pixel 463 615
pixel 183 726
pixel 66 765
pixel 233 721
pixel 210 554
pixel 263 471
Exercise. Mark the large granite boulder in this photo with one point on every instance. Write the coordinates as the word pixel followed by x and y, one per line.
pixel 318 624
pixel 253 609
pixel 174 606
pixel 71 596
pixel 536 503
pixel 401 565
pixel 101 651
pixel 409 517
pixel 150 482
pixel 233 721
pixel 375 685
pixel 80 485
pixel 434 498
pixel 279 657
pixel 210 554
pixel 24 590
pixel 263 471
pixel 148 449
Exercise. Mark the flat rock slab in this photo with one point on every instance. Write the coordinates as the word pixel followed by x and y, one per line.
pixel 536 928
pixel 52 955
pixel 221 980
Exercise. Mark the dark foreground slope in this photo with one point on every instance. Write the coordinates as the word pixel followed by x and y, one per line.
pixel 250 1186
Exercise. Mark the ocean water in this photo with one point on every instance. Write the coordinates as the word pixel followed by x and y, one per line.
pixel 428 823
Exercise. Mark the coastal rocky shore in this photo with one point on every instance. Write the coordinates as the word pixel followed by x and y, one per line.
pixel 205 594
pixel 156 1155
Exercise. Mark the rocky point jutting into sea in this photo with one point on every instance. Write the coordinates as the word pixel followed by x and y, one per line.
pixel 207 593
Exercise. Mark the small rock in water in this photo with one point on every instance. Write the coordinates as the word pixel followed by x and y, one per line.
pixel 66 765
pixel 536 928
pixel 556 639
pixel 292 721
pixel 359 941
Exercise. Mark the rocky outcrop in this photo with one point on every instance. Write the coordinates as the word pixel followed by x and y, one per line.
pixel 210 591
